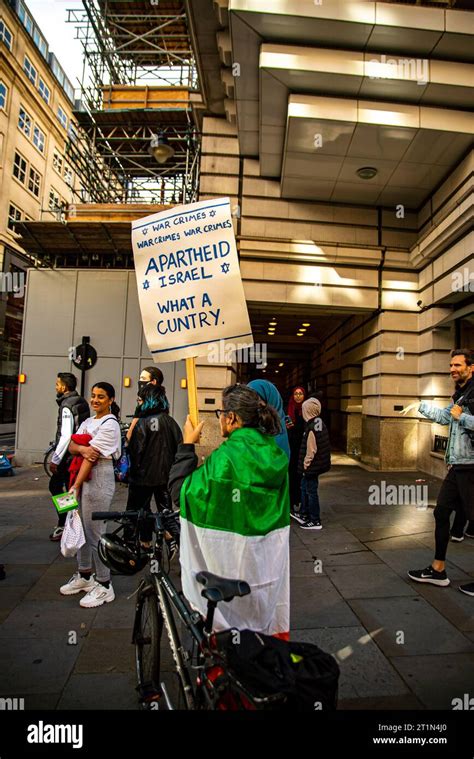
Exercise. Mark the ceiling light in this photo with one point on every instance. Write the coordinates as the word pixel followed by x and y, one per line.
pixel 302 329
pixel 299 334
pixel 367 172
pixel 281 364
pixel 306 324
pixel 276 371
pixel 159 148
pixel 273 324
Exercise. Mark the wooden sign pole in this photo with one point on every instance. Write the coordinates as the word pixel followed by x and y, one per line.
pixel 192 390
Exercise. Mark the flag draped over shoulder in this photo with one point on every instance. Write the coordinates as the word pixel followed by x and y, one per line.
pixel 235 523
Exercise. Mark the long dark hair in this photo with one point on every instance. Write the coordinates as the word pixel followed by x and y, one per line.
pixel 110 390
pixel 253 411
pixel 154 400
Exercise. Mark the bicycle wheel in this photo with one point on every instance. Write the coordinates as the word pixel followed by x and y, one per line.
pixel 47 460
pixel 156 689
pixel 147 639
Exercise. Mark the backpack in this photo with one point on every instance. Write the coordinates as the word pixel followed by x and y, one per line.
pixel 266 665
pixel 122 464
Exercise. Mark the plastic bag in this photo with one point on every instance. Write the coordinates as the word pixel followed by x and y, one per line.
pixel 73 536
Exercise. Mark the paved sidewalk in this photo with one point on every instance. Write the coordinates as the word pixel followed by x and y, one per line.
pixel 400 645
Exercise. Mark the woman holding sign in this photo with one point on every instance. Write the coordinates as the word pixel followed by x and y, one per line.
pixel 234 513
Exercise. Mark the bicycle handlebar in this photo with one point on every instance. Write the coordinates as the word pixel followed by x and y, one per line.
pixel 109 515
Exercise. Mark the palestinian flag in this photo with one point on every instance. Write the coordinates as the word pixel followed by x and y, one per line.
pixel 235 522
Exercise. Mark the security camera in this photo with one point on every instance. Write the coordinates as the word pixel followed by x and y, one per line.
pixel 419 303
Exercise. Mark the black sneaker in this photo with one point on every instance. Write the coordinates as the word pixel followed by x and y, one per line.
pixel 467 589
pixel 300 518
pixel 311 526
pixel 429 575
pixel 457 538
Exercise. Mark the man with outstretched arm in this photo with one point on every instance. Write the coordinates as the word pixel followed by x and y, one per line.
pixel 457 490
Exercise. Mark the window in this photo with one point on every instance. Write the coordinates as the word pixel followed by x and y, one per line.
pixel 19 168
pixel 34 182
pixel 29 70
pixel 38 138
pixel 14 214
pixel 3 95
pixel 5 34
pixel 44 91
pixel 24 121
pixel 54 200
pixel 72 132
pixel 62 117
pixel 68 176
pixel 57 162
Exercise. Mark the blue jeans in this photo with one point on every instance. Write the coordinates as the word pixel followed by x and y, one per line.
pixel 310 499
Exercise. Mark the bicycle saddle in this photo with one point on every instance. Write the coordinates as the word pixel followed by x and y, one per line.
pixel 221 588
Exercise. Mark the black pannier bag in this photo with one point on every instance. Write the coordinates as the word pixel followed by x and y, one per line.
pixel 266 665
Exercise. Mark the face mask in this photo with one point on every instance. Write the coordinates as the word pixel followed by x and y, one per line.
pixel 142 384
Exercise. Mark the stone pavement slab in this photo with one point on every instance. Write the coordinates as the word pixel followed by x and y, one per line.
pixel 36 665
pixel 367 582
pixel 423 629
pixel 316 603
pixel 436 680
pixel 365 672
pixel 106 650
pixel 452 604
pixel 34 619
pixel 101 692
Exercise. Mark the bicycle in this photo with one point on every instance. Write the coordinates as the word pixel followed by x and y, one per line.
pixel 204 681
pixel 48 456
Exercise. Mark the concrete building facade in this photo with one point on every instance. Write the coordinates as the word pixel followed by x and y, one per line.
pixel 36 179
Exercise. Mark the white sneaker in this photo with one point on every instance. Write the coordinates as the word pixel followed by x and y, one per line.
pixel 76 584
pixel 97 596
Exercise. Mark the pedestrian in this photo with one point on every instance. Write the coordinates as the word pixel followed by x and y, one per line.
pixel 314 460
pixel 295 435
pixel 269 393
pixel 457 490
pixel 234 514
pixel 152 450
pixel 95 494
pixel 151 375
pixel 73 410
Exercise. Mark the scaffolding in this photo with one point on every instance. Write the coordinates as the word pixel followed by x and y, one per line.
pixel 138 79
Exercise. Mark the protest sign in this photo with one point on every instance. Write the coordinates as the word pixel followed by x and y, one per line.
pixel 188 278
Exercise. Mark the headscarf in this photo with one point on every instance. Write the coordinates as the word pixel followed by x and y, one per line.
pixel 269 393
pixel 294 408
pixel 311 408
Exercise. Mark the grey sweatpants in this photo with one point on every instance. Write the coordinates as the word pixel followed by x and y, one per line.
pixel 96 495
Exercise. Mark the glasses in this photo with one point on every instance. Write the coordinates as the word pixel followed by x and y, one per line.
pixel 219 411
